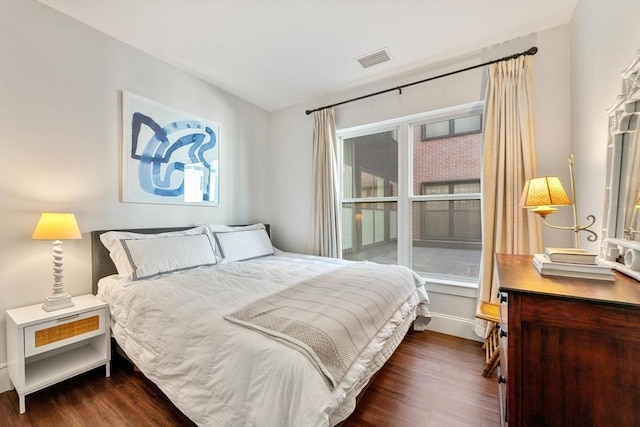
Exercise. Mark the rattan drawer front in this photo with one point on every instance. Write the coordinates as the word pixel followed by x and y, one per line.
pixel 63 331
pixel 67 330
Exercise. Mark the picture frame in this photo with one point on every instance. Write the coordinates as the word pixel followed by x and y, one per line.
pixel 168 156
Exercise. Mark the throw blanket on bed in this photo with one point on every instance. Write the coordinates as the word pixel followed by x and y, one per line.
pixel 332 317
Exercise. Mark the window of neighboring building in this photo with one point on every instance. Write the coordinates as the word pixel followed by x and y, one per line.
pixel 451 220
pixel 452 127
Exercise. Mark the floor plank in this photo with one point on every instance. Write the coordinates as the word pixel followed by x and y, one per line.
pixel 431 380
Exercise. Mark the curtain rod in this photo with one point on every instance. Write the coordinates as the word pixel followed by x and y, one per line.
pixel 531 51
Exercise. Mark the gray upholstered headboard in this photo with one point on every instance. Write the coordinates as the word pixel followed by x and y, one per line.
pixel 101 264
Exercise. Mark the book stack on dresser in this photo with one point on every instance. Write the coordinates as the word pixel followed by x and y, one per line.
pixel 571 263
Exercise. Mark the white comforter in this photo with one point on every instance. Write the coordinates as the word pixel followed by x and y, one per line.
pixel 221 374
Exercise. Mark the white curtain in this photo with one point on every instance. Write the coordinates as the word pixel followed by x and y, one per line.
pixel 326 232
pixel 509 159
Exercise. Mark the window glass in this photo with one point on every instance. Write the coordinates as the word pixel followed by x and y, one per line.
pixel 369 229
pixel 441 203
pixel 452 127
pixel 467 124
pixel 446 233
pixel 369 232
pixel 371 185
pixel 445 243
pixel 434 130
pixel 347 226
pixel 393 189
pixel 375 157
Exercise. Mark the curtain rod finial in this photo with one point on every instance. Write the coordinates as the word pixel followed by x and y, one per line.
pixel 307 112
pixel 532 51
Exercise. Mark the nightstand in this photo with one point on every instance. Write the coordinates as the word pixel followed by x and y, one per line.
pixel 44 348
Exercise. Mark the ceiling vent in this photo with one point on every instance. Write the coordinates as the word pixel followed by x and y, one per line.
pixel 374 58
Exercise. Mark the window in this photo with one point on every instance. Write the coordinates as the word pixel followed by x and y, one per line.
pixel 370 188
pixel 371 185
pixel 452 127
pixel 411 193
pixel 446 234
pixel 452 220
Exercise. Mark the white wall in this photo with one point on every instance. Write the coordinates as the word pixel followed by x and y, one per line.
pixel 605 37
pixel 60 135
pixel 291 137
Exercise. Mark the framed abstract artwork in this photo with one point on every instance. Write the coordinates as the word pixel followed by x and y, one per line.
pixel 168 156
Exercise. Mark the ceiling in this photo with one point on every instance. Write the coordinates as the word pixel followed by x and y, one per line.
pixel 279 53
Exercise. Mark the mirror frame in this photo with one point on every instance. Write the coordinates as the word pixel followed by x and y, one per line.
pixel 621 242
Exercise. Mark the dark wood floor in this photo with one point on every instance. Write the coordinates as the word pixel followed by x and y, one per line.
pixel 431 380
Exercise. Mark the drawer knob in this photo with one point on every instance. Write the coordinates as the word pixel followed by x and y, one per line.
pixel 501 379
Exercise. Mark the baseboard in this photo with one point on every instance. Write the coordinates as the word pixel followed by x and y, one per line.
pixel 452 325
pixel 5 383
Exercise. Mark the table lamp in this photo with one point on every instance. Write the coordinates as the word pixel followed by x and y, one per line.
pixel 542 195
pixel 57 227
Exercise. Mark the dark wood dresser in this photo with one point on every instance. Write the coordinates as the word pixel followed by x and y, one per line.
pixel 569 348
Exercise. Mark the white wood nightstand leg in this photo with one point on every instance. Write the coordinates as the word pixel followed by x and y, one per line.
pixel 107 368
pixel 23 408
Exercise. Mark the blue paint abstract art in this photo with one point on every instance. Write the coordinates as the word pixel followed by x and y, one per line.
pixel 168 156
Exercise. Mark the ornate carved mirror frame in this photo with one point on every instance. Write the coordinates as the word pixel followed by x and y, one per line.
pixel 621 218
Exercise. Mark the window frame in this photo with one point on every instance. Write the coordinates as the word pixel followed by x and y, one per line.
pixel 405 197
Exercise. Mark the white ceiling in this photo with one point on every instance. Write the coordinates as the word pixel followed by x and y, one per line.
pixel 279 53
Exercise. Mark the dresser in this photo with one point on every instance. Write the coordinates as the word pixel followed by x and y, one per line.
pixel 569 348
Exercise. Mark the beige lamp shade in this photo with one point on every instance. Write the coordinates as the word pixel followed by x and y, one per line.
pixel 57 226
pixel 540 195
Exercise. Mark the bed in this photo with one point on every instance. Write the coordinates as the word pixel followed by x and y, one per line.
pixel 237 333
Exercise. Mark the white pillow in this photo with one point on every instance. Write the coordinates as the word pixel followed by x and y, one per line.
pixel 149 258
pixel 219 228
pixel 243 244
pixel 112 241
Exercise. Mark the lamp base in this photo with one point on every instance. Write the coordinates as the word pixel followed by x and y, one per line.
pixel 53 303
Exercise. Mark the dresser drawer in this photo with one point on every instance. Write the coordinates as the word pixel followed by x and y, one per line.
pixel 63 331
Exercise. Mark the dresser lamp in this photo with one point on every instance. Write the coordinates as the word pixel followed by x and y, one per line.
pixel 543 195
pixel 57 227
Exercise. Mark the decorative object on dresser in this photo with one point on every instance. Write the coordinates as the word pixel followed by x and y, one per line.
pixel 573 256
pixel 586 271
pixel 57 227
pixel 623 255
pixel 621 243
pixel 570 352
pixel 44 348
pixel 542 195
